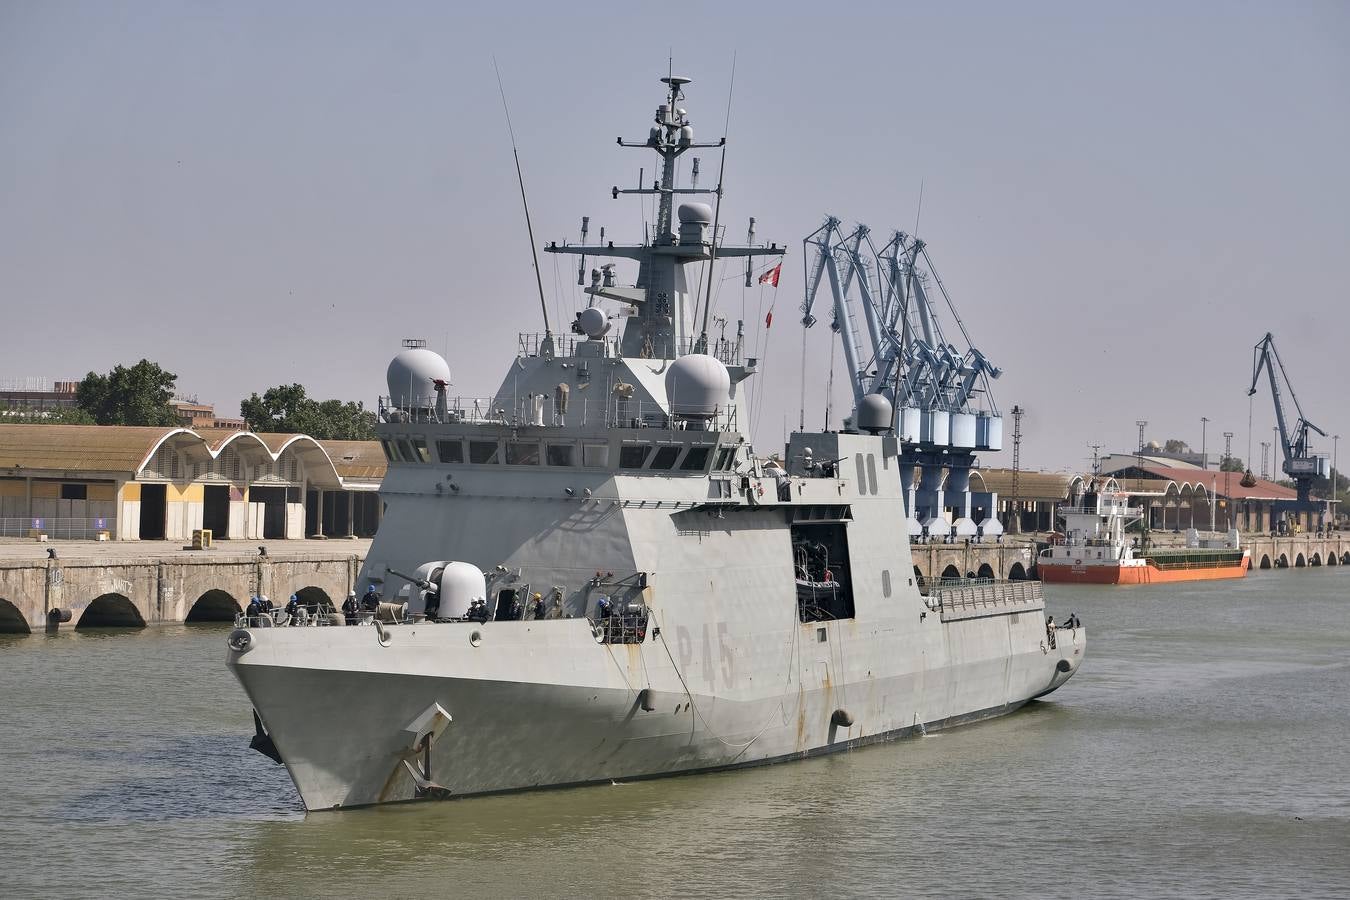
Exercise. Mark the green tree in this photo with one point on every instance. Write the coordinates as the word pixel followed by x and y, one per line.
pixel 1173 445
pixel 138 395
pixel 288 408
pixel 1232 464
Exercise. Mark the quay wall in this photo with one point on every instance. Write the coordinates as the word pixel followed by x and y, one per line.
pixel 1299 550
pixel 157 590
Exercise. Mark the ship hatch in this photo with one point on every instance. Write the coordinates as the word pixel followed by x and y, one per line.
pixel 821 567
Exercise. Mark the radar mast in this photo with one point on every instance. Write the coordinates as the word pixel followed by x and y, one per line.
pixel 662 299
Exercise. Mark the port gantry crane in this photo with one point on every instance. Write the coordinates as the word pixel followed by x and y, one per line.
pixel 1299 463
pixel 903 354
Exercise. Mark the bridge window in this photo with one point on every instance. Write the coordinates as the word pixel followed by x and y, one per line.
pixel 405 451
pixel 483 452
pixel 634 456
pixel 595 455
pixel 450 451
pixel 726 456
pixel 522 453
pixel 695 459
pixel 665 457
pixel 561 454
pixel 420 446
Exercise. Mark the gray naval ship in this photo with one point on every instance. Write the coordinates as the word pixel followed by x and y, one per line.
pixel 593 576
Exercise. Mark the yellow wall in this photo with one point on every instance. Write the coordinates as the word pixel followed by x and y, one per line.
pixel 131 491
pixel 189 493
pixel 12 487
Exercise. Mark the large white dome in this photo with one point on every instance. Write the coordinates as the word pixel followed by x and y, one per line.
pixel 412 376
pixel 697 386
pixel 461 584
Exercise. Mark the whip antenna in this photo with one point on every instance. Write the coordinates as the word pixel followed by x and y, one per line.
pixel 529 228
pixel 717 214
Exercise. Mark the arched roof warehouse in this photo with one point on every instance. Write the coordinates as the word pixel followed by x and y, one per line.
pixel 91 451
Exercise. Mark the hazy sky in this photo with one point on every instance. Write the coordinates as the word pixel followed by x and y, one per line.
pixel 1122 199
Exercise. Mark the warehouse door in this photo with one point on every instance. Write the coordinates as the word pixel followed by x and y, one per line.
pixel 154 510
pixel 216 510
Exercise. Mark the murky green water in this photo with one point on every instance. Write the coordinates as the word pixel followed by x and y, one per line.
pixel 1202 752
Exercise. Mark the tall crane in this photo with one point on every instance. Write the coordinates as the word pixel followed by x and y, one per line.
pixel 1299 463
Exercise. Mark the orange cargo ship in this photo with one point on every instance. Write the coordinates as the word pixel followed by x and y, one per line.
pixel 1095 550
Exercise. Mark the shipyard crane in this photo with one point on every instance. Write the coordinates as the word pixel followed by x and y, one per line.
pixel 1299 463
pixel 939 394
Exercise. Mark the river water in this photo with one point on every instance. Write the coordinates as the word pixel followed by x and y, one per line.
pixel 1200 752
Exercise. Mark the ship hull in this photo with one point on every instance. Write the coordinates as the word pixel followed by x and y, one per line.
pixel 1149 573
pixel 342 732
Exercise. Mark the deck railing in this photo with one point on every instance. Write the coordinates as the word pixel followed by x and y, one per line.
pixel 545 411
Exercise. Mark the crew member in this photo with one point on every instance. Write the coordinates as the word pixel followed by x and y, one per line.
pixel 351 608
pixel 433 603
pixel 1050 630
pixel 254 608
pixel 537 602
pixel 293 610
pixel 371 601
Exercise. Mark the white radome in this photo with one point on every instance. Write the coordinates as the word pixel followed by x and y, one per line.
pixel 697 386
pixel 413 375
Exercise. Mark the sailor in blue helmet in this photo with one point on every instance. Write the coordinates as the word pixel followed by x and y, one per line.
pixel 293 609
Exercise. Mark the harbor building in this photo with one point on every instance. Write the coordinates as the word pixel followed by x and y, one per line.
pixel 132 483
pixel 1181 497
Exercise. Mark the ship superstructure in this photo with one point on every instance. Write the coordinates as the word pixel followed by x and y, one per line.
pixel 593 576
pixel 1098 548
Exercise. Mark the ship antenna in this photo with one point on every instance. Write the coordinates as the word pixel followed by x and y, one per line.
pixel 717 212
pixel 529 228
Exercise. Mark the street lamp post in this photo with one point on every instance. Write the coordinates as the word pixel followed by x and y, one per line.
pixel 1204 460
pixel 1335 445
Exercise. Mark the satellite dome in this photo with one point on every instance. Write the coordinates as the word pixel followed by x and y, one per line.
pixel 697 386
pixel 695 212
pixel 592 322
pixel 413 375
pixel 873 414
pixel 1153 445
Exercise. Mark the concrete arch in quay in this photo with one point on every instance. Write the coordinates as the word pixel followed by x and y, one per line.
pixel 11 619
pixel 999 561
pixel 146 591
pixel 214 606
pixel 110 610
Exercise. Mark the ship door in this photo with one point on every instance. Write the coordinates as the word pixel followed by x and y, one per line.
pixel 506 605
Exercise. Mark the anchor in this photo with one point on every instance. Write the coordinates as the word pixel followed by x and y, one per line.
pixel 425 729
pixel 262 741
